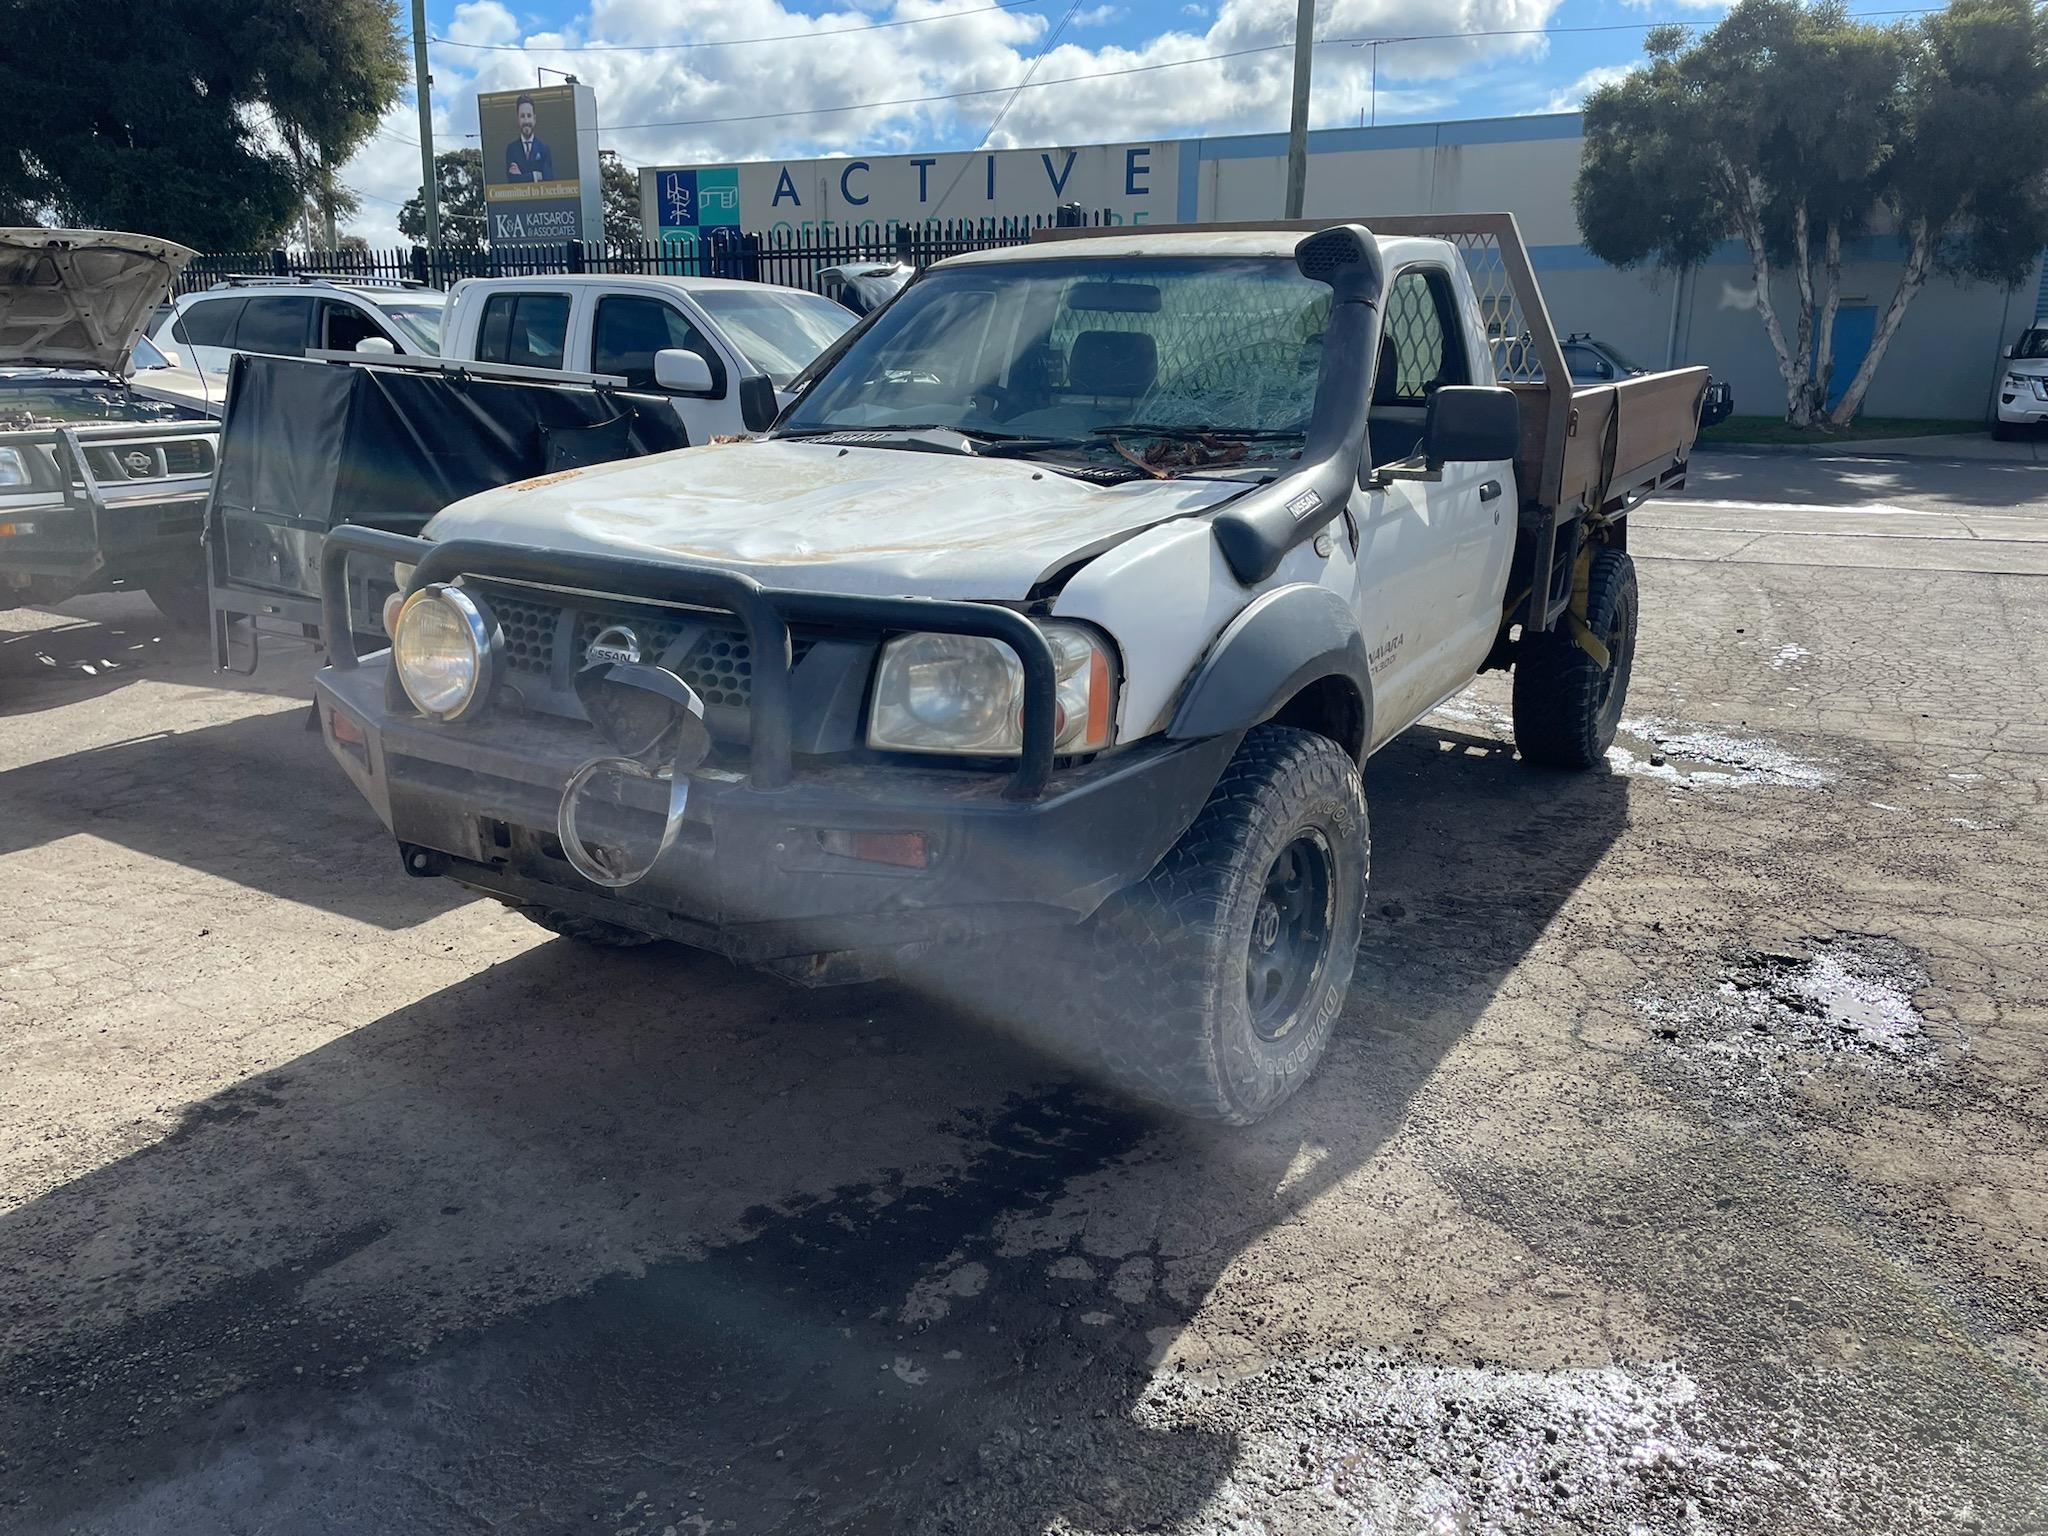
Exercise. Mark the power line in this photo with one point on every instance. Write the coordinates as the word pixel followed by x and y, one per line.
pixel 732 42
pixel 1051 40
pixel 1140 69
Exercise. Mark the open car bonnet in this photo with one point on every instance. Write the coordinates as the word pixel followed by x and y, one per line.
pixel 823 517
pixel 79 298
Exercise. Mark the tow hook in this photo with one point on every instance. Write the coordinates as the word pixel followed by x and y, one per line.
pixel 655 723
pixel 422 863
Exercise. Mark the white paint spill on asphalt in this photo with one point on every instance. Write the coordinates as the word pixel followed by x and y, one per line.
pixel 933 1296
pixel 1468 712
pixel 1375 1446
pixel 1677 753
pixel 1774 1017
pixel 1789 655
pixel 1703 757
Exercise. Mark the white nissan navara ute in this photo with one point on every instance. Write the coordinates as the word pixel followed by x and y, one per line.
pixel 1075 590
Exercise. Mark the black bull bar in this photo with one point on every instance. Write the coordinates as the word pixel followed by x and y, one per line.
pixel 765 612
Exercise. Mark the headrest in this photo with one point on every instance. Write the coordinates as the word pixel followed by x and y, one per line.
pixel 1121 363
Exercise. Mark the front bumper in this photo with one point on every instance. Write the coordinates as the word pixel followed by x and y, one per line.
pixel 88 528
pixel 2024 404
pixel 750 874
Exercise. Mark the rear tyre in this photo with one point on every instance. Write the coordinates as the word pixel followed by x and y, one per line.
pixel 1566 704
pixel 585 930
pixel 182 602
pixel 1212 986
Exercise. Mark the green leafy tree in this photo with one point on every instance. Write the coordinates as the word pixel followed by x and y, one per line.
pixel 459 185
pixel 205 121
pixel 620 184
pixel 1794 128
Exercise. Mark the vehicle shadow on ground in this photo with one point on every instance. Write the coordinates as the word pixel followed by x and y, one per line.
pixel 81 657
pixel 639 1239
pixel 256 801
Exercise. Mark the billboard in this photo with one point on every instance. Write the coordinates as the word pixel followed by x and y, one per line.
pixel 540 165
pixel 1133 183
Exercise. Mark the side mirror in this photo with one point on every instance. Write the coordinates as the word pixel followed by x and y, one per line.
pixel 680 369
pixel 1472 424
pixel 377 346
pixel 758 407
pixel 2006 354
pixel 171 358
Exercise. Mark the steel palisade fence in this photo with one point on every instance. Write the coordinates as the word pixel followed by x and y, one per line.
pixel 793 256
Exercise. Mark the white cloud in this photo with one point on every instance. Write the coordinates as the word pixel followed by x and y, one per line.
pixel 1193 9
pixel 483 21
pixel 978 49
pixel 1098 15
pixel 1573 96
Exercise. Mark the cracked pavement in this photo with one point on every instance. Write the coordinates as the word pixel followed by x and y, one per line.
pixel 1677 1166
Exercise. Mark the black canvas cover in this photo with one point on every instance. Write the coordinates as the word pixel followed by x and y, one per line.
pixel 308 445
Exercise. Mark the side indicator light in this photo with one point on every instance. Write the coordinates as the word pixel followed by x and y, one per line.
pixel 903 850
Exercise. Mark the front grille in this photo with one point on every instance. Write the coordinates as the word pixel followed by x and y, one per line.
pixel 121 463
pixel 188 456
pixel 718 661
pixel 529 630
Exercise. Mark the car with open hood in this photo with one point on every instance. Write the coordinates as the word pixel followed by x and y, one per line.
pixel 105 464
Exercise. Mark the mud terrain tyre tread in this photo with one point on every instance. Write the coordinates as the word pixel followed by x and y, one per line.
pixel 586 930
pixel 1166 1017
pixel 1563 717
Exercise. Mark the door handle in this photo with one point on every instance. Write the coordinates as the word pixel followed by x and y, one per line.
pixel 1489 491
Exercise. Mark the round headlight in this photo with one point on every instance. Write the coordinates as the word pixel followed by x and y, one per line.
pixel 442 649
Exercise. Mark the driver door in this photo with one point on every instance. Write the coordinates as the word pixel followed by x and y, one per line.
pixel 1432 544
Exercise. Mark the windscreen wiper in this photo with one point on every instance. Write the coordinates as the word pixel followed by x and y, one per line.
pixel 1191 434
pixel 912 428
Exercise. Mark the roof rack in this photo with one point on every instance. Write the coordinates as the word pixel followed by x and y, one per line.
pixel 310 279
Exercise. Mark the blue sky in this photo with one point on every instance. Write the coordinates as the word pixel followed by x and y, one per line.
pixel 727 96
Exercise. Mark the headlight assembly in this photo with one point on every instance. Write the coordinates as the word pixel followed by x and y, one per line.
pixel 964 694
pixel 445 646
pixel 13 469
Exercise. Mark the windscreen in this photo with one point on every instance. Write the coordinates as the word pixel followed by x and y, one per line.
pixel 777 333
pixel 420 322
pixel 1066 346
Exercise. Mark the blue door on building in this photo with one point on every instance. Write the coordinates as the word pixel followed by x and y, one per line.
pixel 1855 325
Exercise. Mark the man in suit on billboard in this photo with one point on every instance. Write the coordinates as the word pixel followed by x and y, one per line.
pixel 526 157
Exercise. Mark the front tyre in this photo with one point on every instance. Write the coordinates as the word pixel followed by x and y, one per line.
pixel 1217 979
pixel 1567 705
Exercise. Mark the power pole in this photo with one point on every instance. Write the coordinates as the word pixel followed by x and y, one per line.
pixel 429 193
pixel 1297 122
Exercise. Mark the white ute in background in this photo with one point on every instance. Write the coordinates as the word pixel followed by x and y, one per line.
pixel 724 351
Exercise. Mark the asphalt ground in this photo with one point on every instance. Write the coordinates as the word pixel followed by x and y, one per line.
pixel 1678 1165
